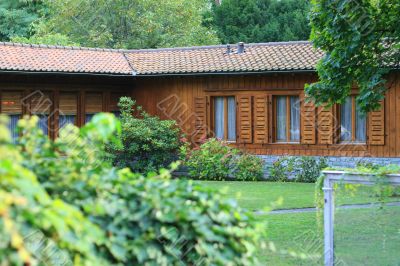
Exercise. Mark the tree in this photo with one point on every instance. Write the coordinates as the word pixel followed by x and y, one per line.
pixel 129 24
pixel 361 43
pixel 260 20
pixel 17 16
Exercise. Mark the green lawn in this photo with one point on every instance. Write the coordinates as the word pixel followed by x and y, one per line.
pixel 260 195
pixel 362 236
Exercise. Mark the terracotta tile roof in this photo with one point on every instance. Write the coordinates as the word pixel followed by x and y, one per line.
pixel 43 58
pixel 287 56
pixel 262 57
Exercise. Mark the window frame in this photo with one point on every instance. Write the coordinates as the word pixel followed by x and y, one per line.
pixel 288 118
pixel 226 126
pixel 353 124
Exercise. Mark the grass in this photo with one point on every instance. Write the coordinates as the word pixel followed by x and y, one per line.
pixel 260 195
pixel 362 236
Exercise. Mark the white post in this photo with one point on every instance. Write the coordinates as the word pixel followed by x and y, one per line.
pixel 328 221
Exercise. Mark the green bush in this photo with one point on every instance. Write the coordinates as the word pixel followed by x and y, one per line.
pixel 144 220
pixel 212 160
pixel 37 228
pixel 280 170
pixel 301 169
pixel 216 160
pixel 248 167
pixel 148 143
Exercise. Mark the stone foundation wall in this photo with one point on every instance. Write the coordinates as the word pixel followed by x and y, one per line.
pixel 348 162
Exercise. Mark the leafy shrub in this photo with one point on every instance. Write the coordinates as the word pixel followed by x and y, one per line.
pixel 216 160
pixel 212 160
pixel 35 227
pixel 150 220
pixel 248 167
pixel 301 169
pixel 280 170
pixel 148 143
pixel 308 169
pixel 368 165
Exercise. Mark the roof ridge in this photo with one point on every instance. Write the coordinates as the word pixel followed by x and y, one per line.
pixel 46 46
pixel 191 48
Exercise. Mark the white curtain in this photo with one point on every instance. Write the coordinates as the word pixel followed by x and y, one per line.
pixel 294 118
pixel 231 119
pixel 345 118
pixel 66 120
pixel 281 118
pixel 219 117
pixel 361 126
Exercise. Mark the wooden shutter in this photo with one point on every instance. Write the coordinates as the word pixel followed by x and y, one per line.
pixel 326 124
pixel 245 115
pixel 93 102
pixel 11 102
pixel 200 123
pixel 40 103
pixel 260 119
pixel 68 103
pixel 376 126
pixel 307 132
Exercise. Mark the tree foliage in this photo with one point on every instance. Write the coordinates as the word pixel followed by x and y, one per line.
pixel 128 24
pixel 361 42
pixel 17 16
pixel 260 20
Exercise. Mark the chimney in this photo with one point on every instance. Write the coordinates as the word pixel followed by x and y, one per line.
pixel 240 48
pixel 228 49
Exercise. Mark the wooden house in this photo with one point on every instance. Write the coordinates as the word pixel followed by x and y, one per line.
pixel 251 95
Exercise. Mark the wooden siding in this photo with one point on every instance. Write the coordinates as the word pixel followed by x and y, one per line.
pixel 174 98
pixel 35 94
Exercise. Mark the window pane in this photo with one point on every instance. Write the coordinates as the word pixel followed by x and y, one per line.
pixel 12 126
pixel 88 117
pixel 294 118
pixel 43 123
pixel 361 126
pixel 231 119
pixel 345 118
pixel 219 117
pixel 40 105
pixel 66 120
pixel 117 114
pixel 281 118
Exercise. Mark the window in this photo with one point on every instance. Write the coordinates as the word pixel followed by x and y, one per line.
pixel 287 118
pixel 11 105
pixel 224 118
pixel 353 124
pixel 68 109
pixel 94 105
pixel 40 105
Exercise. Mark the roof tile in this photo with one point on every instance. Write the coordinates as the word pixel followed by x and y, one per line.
pixel 262 57
pixel 43 58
